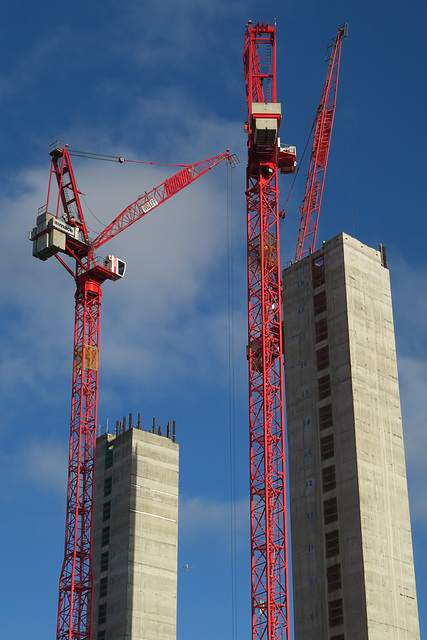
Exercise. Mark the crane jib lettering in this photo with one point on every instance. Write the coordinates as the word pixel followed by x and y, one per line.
pixel 150 204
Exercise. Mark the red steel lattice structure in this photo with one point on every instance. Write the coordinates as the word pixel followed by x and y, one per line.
pixel 66 232
pixel 269 553
pixel 324 120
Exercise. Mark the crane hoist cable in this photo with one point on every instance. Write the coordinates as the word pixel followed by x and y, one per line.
pixel 231 405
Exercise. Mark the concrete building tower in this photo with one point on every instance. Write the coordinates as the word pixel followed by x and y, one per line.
pixel 353 569
pixel 135 536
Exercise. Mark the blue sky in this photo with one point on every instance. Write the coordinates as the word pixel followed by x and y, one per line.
pixel 161 81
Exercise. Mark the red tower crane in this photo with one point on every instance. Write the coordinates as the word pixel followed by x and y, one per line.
pixel 319 153
pixel 269 553
pixel 65 231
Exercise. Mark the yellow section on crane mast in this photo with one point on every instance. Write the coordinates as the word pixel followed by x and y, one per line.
pixel 90 357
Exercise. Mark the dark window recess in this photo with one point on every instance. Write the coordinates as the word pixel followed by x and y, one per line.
pixel 332 543
pixel 340 636
pixel 106 510
pixel 108 483
pixel 101 635
pixel 325 417
pixel 318 271
pixel 103 583
pixel 321 330
pixel 102 613
pixel 336 615
pixel 334 577
pixel 329 481
pixel 324 387
pixel 330 511
pixel 105 536
pixel 109 457
pixel 322 358
pixel 104 561
pixel 319 302
pixel 327 449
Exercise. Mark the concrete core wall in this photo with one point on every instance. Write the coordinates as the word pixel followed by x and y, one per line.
pixel 353 570
pixel 135 537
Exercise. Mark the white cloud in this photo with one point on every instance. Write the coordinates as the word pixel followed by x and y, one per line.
pixel 39 463
pixel 206 516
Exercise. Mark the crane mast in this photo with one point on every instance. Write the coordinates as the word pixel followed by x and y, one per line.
pixel 269 552
pixel 65 232
pixel 324 120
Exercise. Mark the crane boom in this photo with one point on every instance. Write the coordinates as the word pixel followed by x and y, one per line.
pixel 159 194
pixel 269 553
pixel 65 232
pixel 324 120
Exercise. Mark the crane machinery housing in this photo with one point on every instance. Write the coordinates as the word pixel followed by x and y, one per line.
pixel 63 230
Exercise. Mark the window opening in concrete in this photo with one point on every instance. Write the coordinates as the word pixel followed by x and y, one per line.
pixel 325 417
pixel 332 543
pixel 334 577
pixel 102 613
pixel 321 330
pixel 324 387
pixel 318 271
pixel 329 481
pixel 109 456
pixel 105 536
pixel 322 358
pixel 108 483
pixel 327 449
pixel 103 585
pixel 106 511
pixel 340 636
pixel 101 635
pixel 104 561
pixel 319 302
pixel 336 615
pixel 330 510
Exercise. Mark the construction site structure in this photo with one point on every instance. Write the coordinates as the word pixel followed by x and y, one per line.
pixel 135 538
pixel 266 157
pixel 352 558
pixel 61 229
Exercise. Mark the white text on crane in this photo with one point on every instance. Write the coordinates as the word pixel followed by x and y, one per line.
pixel 150 204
